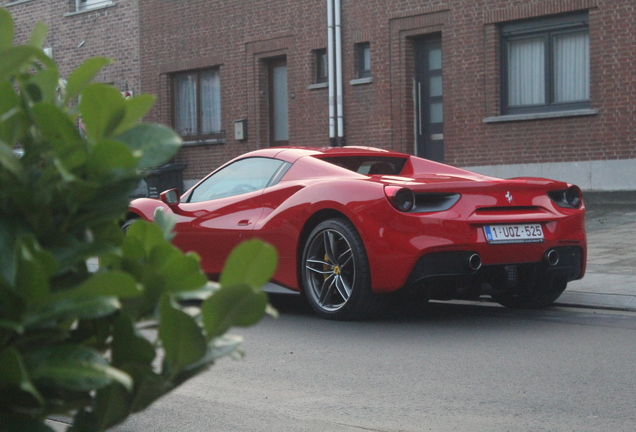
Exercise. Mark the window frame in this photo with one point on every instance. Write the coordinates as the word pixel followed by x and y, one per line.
pixel 321 64
pixel 546 28
pixel 85 5
pixel 198 136
pixel 361 50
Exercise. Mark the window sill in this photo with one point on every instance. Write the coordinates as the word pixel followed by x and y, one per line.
pixel 540 116
pixel 360 81
pixel 90 9
pixel 318 86
pixel 216 141
pixel 15 2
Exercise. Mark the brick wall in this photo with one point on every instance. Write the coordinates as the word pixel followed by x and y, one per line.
pixel 239 37
pixel 111 31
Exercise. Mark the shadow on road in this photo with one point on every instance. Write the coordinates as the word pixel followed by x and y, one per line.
pixel 461 312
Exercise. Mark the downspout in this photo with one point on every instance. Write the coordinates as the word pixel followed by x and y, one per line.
pixel 330 74
pixel 339 93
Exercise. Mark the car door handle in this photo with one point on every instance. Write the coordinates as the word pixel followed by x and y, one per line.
pixel 244 222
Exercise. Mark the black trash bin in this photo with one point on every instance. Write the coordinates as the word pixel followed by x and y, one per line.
pixel 169 176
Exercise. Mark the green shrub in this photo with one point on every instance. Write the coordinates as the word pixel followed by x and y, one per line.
pixel 69 338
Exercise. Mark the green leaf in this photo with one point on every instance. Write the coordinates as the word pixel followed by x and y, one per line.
pixel 148 387
pixel 102 109
pixel 81 77
pixel 181 338
pixel 108 156
pixel 179 272
pixel 156 144
pixel 35 267
pixel 19 422
pixel 236 305
pixel 38 35
pixel 76 368
pixel 136 108
pixel 47 81
pixel 146 233
pixel 74 308
pixel 62 133
pixel 252 263
pixel 128 345
pixel 6 29
pixel 165 222
pixel 112 406
pixel 11 309
pixel 15 58
pixel 106 284
pixel 14 379
pixel 10 229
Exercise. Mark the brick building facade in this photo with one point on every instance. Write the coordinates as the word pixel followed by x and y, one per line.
pixel 439 78
pixel 587 137
pixel 81 29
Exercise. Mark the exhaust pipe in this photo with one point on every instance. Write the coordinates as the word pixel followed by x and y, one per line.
pixel 474 262
pixel 551 257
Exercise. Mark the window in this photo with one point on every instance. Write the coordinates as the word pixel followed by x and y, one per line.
pixel 243 176
pixel 363 60
pixel 321 68
pixel 197 104
pixel 369 164
pixel 82 5
pixel 546 64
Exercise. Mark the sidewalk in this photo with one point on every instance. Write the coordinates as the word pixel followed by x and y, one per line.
pixel 610 280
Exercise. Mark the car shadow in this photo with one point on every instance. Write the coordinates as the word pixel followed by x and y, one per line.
pixel 402 309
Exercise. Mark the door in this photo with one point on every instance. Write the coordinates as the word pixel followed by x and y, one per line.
pixel 222 210
pixel 429 98
pixel 278 121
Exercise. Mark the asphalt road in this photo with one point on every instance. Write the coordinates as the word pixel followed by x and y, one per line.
pixel 451 367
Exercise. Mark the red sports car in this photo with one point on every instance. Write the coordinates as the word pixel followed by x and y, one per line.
pixel 353 224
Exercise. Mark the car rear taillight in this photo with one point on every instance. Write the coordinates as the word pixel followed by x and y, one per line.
pixel 571 197
pixel 400 197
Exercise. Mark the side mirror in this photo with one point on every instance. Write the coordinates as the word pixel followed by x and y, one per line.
pixel 170 197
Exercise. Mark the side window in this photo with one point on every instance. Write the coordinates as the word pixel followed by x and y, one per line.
pixel 242 176
pixel 197 105
pixel 321 74
pixel 546 64
pixel 363 60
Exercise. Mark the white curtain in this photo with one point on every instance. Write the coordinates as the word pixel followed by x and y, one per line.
pixel 186 104
pixel 571 67
pixel 210 102
pixel 526 72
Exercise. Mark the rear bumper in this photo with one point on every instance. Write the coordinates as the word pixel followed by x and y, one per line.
pixel 449 275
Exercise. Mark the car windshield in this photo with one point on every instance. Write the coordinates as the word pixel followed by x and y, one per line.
pixel 369 165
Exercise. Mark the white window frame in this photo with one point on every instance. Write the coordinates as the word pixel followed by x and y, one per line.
pixel 83 5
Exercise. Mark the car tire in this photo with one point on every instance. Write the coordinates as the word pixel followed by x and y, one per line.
pixel 335 273
pixel 127 224
pixel 536 300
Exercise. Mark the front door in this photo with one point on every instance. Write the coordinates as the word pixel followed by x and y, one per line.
pixel 429 113
pixel 278 123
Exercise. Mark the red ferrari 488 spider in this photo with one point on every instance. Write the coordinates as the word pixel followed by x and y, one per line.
pixel 353 224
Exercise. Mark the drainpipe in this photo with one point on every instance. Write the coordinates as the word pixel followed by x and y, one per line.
pixel 339 104
pixel 331 74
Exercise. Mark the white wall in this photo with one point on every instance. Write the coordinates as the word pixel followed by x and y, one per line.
pixel 604 175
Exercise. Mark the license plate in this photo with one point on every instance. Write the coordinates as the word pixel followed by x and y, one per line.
pixel 521 233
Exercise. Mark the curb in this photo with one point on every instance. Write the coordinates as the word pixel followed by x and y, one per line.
pixel 597 300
